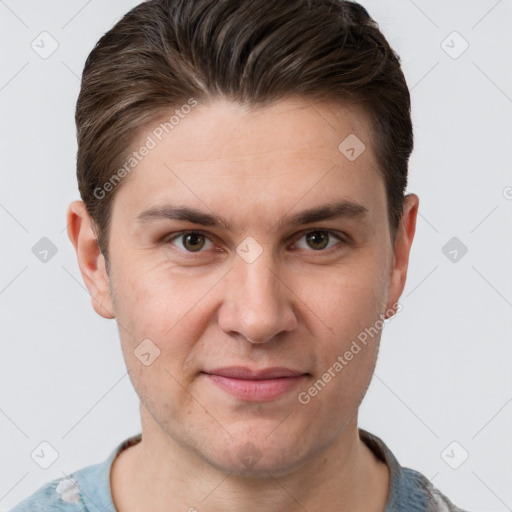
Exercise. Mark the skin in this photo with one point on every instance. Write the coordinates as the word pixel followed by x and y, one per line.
pixel 295 305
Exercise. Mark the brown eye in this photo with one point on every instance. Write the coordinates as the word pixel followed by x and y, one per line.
pixel 317 239
pixel 193 241
pixel 189 241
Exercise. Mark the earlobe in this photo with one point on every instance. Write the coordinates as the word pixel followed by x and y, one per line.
pixel 90 260
pixel 402 248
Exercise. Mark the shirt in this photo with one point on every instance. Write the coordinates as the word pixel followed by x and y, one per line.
pixel 88 489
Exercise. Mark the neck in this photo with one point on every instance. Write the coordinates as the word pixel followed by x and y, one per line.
pixel 160 475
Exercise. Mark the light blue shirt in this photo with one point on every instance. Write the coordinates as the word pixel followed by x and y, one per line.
pixel 88 489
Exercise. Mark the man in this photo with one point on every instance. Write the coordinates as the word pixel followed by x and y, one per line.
pixel 242 168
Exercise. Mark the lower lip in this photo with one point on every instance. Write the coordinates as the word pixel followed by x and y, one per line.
pixel 256 390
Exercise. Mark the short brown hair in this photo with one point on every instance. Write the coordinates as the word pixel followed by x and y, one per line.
pixel 162 53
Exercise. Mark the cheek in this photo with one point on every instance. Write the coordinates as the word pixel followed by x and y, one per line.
pixel 149 299
pixel 349 298
pixel 164 306
pixel 157 338
pixel 347 310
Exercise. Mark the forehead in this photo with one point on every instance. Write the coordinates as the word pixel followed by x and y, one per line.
pixel 221 129
pixel 226 156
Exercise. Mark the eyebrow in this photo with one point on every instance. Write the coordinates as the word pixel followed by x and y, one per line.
pixel 332 210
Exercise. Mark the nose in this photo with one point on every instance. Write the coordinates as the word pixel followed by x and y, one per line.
pixel 258 305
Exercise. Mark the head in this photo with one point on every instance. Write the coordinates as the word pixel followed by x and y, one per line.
pixel 242 172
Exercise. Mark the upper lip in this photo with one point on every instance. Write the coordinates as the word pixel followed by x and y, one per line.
pixel 241 372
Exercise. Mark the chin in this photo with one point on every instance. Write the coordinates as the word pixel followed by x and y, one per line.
pixel 260 455
pixel 258 465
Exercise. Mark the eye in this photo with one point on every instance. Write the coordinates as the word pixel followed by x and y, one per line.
pixel 191 241
pixel 195 241
pixel 319 240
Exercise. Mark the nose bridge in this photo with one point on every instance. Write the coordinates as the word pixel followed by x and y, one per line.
pixel 259 285
pixel 259 304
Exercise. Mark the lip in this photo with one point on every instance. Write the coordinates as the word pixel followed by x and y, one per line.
pixel 256 385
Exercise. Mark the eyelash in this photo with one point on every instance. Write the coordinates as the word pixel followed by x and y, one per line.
pixel 338 236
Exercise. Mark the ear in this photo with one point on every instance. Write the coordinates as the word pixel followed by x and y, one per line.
pixel 90 258
pixel 402 247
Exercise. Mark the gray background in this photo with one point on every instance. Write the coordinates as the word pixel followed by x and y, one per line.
pixel 444 370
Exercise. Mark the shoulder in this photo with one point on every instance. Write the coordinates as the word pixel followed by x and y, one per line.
pixel 59 494
pixel 85 490
pixel 409 490
pixel 420 490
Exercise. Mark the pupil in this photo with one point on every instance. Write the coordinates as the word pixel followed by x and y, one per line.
pixel 316 238
pixel 194 241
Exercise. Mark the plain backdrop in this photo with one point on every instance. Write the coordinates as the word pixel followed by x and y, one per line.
pixel 441 397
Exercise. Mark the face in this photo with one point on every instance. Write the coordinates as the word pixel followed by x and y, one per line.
pixel 246 241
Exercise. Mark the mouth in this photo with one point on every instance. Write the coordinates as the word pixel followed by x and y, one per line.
pixel 256 385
